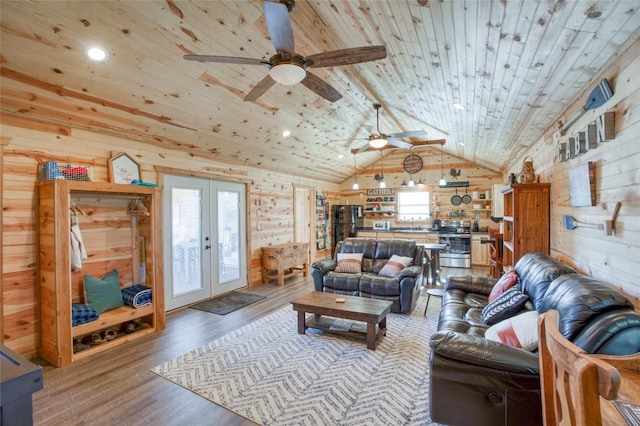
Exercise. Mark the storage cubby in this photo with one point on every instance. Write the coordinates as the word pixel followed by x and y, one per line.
pixel 115 237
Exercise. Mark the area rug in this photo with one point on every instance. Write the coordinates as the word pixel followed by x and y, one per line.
pixel 228 302
pixel 270 374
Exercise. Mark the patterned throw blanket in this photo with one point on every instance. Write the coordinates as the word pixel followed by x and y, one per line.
pixel 137 295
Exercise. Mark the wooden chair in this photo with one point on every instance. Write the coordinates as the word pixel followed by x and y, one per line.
pixel 571 380
pixel 495 253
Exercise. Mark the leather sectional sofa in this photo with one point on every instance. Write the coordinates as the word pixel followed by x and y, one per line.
pixel 403 290
pixel 477 381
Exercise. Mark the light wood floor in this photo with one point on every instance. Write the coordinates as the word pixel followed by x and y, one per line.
pixel 116 387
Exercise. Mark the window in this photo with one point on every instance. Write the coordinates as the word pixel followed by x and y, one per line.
pixel 413 205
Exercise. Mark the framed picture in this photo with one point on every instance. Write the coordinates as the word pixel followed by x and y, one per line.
pixel 582 185
pixel 123 169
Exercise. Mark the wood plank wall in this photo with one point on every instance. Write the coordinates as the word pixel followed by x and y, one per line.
pixel 30 143
pixel 613 259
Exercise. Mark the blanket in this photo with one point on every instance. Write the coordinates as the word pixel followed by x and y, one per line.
pixel 137 295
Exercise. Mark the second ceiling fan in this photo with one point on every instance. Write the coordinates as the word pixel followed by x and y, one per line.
pixel 378 140
pixel 286 66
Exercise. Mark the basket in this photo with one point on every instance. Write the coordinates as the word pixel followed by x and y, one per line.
pixel 527 175
pixel 50 170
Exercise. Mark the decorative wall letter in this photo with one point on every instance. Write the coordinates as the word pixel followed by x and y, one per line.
pixel 605 124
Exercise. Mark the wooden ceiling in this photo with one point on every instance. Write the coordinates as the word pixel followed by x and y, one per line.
pixel 515 67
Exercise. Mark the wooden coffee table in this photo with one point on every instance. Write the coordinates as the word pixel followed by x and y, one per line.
pixel 371 311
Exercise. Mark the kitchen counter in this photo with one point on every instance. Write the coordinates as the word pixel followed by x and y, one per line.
pixel 400 230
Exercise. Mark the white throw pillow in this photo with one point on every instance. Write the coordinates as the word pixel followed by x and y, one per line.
pixel 350 263
pixel 394 265
pixel 520 331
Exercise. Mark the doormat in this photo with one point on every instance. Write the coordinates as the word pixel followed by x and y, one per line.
pixel 226 303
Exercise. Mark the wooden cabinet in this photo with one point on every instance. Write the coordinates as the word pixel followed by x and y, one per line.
pixel 282 261
pixel 479 251
pixel 526 220
pixel 114 238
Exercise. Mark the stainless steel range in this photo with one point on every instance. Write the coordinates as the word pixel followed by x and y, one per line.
pixel 457 238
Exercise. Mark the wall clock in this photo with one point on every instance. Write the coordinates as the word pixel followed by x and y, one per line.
pixel 123 169
pixel 412 163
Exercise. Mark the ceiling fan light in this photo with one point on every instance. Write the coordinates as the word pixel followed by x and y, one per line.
pixel 378 142
pixel 287 74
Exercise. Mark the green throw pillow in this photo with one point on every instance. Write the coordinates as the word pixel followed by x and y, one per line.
pixel 103 294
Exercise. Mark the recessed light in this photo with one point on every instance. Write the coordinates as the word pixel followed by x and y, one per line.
pixel 340 156
pixel 459 106
pixel 97 54
pixel 286 133
pixel 461 143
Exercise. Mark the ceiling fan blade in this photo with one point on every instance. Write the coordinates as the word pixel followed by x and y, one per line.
pixel 260 89
pixel 279 25
pixel 371 129
pixel 399 144
pixel 363 148
pixel 225 59
pixel 409 134
pixel 429 142
pixel 321 87
pixel 352 55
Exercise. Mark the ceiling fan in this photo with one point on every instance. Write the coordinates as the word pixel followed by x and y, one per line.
pixel 286 66
pixel 378 140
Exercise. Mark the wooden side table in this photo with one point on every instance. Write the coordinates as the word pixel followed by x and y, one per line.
pixel 282 261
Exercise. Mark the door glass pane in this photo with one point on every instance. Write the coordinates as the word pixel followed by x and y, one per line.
pixel 228 235
pixel 186 240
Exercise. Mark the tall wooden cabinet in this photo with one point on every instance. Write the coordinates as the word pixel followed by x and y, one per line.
pixel 115 237
pixel 526 220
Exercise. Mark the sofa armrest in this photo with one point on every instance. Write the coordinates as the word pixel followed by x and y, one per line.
pixel 486 353
pixel 410 271
pixel 324 266
pixel 470 283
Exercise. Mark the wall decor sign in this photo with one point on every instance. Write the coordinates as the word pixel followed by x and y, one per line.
pixel 379 191
pixel 123 169
pixel 582 185
pixel 600 131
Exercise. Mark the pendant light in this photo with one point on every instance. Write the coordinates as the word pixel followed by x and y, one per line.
pixel 442 179
pixel 355 174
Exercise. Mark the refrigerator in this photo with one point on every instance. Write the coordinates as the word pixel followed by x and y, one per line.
pixel 345 222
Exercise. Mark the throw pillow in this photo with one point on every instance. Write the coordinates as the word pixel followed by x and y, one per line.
pixel 505 306
pixel 103 294
pixel 81 314
pixel 394 265
pixel 520 331
pixel 350 263
pixel 505 282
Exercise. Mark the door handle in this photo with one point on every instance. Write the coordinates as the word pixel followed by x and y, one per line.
pixel 207 247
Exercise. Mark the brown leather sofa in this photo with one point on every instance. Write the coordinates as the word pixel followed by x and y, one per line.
pixel 402 290
pixel 475 381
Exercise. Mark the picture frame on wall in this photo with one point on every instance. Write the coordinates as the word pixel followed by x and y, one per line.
pixel 123 169
pixel 582 185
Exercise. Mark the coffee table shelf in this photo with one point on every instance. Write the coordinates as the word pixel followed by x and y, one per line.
pixel 372 312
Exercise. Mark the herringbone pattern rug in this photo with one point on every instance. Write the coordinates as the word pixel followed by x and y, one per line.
pixel 272 375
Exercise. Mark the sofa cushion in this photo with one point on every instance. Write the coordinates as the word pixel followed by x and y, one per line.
pixel 505 282
pixel 580 299
pixel 520 331
pixel 394 265
pixel 506 305
pixel 535 273
pixel 350 263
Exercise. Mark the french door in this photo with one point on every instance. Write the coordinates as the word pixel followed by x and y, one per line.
pixel 204 239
